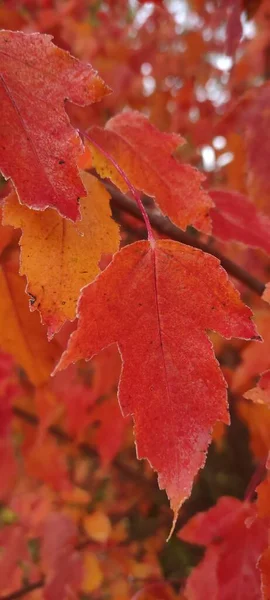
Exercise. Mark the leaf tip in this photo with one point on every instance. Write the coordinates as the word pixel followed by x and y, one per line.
pixel 257 338
pixel 175 506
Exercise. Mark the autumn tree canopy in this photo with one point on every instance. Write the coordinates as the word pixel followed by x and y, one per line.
pixel 134 304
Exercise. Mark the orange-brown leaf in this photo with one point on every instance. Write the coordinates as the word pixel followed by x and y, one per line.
pixel 21 333
pixel 59 257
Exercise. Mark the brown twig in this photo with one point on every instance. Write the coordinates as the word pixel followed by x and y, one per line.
pixel 165 227
pixel 27 589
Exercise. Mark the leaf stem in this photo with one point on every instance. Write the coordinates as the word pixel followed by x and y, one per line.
pixel 130 186
pixel 165 227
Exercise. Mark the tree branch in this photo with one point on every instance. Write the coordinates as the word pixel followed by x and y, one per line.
pixel 165 227
pixel 27 589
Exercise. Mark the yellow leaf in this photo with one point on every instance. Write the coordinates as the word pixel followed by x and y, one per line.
pixel 120 590
pixel 119 532
pixel 93 576
pixel 97 526
pixel 60 257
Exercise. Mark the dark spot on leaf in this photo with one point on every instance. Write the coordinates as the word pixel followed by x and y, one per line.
pixel 32 299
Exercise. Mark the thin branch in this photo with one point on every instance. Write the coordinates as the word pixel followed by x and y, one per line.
pixel 165 227
pixel 23 591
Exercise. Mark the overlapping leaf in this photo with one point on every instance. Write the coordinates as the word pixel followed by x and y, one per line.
pixel 39 148
pixel 62 563
pixel 7 235
pixel 145 155
pixel 59 257
pixel 254 357
pixel 250 115
pixel 46 461
pixel 157 303
pixel 236 218
pixel 257 419
pixel 21 333
pixel 261 393
pixel 235 540
pixel 107 440
pixel 15 550
pixel 92 573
